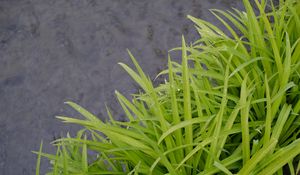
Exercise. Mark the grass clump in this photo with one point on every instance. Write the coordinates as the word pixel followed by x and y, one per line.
pixel 231 107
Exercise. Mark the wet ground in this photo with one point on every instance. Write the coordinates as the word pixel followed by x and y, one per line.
pixel 52 51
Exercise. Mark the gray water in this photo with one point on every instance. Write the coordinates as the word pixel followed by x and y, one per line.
pixel 52 51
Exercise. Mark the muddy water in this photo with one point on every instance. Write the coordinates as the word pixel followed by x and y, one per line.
pixel 52 51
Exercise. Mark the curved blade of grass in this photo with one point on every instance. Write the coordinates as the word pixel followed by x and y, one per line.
pixel 38 162
pixel 244 121
pixel 83 112
pixel 255 36
pixel 268 119
pixel 257 157
pixel 219 118
pixel 175 113
pixel 128 104
pixel 134 76
pixel 84 157
pixel 283 115
pixel 234 19
pixel 282 157
pixel 221 167
pixel 186 96
pixel 271 38
pixel 181 125
pixel 194 151
pixel 245 64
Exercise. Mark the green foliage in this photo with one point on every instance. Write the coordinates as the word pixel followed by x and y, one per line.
pixel 231 107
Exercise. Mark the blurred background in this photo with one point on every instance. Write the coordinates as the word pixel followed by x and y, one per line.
pixel 52 51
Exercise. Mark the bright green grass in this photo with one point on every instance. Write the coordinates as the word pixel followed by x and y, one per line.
pixel 238 115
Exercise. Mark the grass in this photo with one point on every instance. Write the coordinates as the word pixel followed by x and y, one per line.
pixel 231 107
